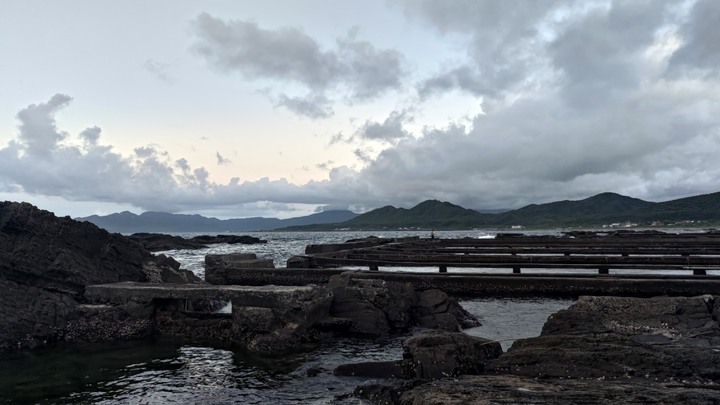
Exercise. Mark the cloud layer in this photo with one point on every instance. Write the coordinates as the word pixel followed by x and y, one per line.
pixel 578 98
pixel 354 68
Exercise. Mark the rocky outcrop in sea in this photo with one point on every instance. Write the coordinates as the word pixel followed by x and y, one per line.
pixel 156 242
pixel 45 264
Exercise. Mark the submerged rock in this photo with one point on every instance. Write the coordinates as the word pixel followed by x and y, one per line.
pixel 45 264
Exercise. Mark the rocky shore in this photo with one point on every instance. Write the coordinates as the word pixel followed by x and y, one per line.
pixel 58 283
pixel 600 350
pixel 45 264
pixel 49 264
pixel 271 321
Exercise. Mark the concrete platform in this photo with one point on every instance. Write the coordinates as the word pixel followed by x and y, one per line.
pixel 267 296
pixel 501 285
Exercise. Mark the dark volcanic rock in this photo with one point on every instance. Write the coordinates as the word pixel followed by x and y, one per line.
pixel 433 309
pixel 509 389
pixel 156 242
pixel 376 307
pixel 229 239
pixel 602 350
pixel 439 354
pixel 45 264
pixel 292 323
pixel 664 338
pixel 429 356
pixel 218 266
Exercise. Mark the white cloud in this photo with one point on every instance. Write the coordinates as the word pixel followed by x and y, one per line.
pixel 578 98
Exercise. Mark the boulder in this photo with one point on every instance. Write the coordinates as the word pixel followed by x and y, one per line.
pixel 429 356
pixel 282 329
pixel 434 309
pixel 376 307
pixel 439 354
pixel 45 264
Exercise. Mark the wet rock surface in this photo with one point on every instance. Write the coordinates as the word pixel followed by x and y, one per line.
pixel 601 350
pixel 45 264
pixel 511 389
pixel 376 307
pixel 275 320
pixel 431 355
pixel 218 268
pixel 664 338
pixel 156 242
pixel 438 354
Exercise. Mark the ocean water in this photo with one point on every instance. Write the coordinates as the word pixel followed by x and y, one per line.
pixel 163 370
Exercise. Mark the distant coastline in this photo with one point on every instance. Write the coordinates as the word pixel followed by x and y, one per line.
pixel 602 211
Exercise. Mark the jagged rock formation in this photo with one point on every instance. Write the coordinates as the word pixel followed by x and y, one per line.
pixel 45 264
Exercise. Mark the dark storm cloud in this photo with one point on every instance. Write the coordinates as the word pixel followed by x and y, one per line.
pixel 501 37
pixel 288 55
pixel 701 51
pixel 368 72
pixel 284 54
pixel 578 98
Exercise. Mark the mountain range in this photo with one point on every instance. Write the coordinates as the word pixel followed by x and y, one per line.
pixel 127 222
pixel 595 211
pixel 602 209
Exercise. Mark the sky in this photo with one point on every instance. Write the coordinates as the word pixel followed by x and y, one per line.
pixel 280 109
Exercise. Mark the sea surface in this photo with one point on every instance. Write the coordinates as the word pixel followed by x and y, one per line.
pixel 162 370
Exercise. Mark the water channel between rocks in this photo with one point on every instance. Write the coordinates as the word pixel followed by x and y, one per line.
pixel 163 370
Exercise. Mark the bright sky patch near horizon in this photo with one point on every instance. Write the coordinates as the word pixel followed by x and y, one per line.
pixel 283 108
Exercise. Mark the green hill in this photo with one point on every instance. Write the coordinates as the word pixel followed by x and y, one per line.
pixel 595 211
pixel 704 207
pixel 428 214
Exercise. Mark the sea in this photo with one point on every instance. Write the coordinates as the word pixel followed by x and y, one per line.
pixel 165 370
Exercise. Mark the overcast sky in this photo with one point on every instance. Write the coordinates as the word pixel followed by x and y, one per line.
pixel 282 108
